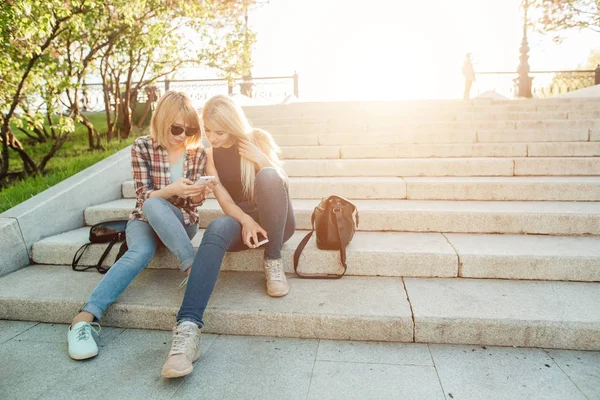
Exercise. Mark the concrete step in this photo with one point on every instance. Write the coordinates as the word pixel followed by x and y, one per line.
pixel 467 311
pixel 539 257
pixel 570 188
pixel 437 138
pixel 553 218
pixel 552 149
pixel 514 188
pixel 517 166
pixel 355 308
pixel 319 187
pixel 506 313
pixel 378 108
pixel 368 125
pixel 404 116
pixel 412 116
pixel 369 254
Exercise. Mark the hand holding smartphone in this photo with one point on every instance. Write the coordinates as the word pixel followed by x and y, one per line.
pixel 204 179
pixel 261 239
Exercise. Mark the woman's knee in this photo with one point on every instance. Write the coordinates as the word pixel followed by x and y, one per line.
pixel 223 226
pixel 136 257
pixel 269 175
pixel 154 205
pixel 222 230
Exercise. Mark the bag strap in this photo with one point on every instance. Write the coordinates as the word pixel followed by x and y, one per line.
pixel 78 256
pixel 98 266
pixel 303 243
pixel 338 221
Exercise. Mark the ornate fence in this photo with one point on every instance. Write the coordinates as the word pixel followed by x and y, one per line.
pixel 544 83
pixel 267 89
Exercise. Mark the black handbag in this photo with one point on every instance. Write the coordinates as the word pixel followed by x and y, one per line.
pixel 335 220
pixel 109 232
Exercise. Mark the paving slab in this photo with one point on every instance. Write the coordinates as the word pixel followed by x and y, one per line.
pixel 11 329
pixel 563 258
pixel 355 308
pixel 474 373
pixel 252 368
pixel 582 368
pixel 127 368
pixel 532 217
pixel 374 352
pixel 506 313
pixel 337 380
pixel 35 367
pixel 369 253
pixel 57 333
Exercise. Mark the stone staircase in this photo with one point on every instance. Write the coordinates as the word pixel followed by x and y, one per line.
pixel 479 224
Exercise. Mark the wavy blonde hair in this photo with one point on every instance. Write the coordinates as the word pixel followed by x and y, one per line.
pixel 229 116
pixel 171 106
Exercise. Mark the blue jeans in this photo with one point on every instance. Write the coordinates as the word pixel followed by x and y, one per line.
pixel 272 210
pixel 165 224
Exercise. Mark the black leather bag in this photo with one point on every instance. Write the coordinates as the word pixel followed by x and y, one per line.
pixel 335 220
pixel 109 232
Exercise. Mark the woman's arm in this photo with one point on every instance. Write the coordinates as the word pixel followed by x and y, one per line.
pixel 250 227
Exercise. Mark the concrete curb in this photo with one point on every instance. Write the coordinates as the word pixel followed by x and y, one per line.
pixel 60 207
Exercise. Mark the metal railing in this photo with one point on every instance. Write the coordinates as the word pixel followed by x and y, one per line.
pixel 273 88
pixel 544 83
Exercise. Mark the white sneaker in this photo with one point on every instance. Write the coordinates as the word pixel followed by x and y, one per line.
pixel 82 344
pixel 185 350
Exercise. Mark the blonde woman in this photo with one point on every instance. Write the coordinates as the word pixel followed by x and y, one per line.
pixel 252 190
pixel 165 166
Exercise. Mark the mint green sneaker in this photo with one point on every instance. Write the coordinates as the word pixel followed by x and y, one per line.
pixel 82 344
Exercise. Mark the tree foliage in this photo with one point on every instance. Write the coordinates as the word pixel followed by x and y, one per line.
pixel 48 48
pixel 559 15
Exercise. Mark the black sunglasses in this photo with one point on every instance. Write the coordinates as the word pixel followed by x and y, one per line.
pixel 189 131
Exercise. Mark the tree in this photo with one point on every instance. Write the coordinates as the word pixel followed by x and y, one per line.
pixel 28 30
pixel 559 15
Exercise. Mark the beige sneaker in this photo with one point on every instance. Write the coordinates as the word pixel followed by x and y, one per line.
pixel 185 350
pixel 277 285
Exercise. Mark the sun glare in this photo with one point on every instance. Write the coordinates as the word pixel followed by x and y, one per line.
pixel 381 49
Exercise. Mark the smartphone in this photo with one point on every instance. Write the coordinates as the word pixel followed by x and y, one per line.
pixel 204 179
pixel 261 239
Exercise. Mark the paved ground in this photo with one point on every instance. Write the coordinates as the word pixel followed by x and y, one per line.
pixel 35 365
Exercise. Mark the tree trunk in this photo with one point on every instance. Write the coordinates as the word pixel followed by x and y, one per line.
pixel 57 145
pixel 142 119
pixel 125 118
pixel 14 144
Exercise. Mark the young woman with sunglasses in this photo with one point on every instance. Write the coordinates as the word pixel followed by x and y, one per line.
pixel 165 166
pixel 253 193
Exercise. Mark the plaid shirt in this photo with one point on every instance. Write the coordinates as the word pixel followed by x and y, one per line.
pixel 151 171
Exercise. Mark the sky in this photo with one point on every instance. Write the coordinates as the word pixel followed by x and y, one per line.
pixel 398 49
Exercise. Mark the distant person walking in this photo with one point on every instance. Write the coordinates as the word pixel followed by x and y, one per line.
pixel 469 74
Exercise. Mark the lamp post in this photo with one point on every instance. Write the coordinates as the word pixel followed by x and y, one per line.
pixel 523 69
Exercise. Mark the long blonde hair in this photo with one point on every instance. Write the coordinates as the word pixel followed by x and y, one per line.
pixel 170 106
pixel 229 116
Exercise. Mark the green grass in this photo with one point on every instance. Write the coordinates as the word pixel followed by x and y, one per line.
pixel 73 156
